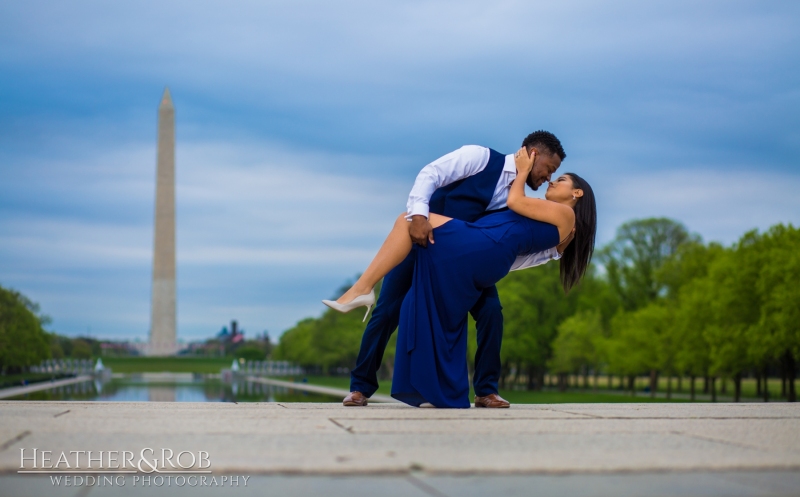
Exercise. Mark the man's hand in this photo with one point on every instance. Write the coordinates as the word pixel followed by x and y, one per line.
pixel 420 230
pixel 524 161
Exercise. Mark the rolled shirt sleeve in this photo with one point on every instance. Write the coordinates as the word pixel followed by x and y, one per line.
pixel 535 259
pixel 459 164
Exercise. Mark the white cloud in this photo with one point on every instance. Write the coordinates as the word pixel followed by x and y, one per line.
pixel 721 206
pixel 266 227
pixel 289 217
pixel 264 232
pixel 357 43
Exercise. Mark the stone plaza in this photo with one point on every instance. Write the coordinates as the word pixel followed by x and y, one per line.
pixel 392 449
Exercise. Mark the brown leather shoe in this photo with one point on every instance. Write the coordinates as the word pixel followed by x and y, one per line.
pixel 491 400
pixel 355 399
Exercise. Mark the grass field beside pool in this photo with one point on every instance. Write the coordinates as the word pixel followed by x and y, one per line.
pixel 213 365
pixel 206 365
pixel 513 396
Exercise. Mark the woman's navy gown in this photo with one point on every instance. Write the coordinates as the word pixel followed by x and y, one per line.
pixel 449 276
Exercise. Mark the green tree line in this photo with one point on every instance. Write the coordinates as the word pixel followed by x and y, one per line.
pixel 24 342
pixel 657 302
pixel 682 308
pixel 329 343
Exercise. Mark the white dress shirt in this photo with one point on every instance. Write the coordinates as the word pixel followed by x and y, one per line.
pixel 463 163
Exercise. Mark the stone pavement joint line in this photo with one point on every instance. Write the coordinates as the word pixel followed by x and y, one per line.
pixel 9 443
pixel 394 439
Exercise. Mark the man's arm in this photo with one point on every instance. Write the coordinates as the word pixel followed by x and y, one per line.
pixel 459 164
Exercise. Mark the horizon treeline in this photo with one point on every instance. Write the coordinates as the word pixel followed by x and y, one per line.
pixel 24 342
pixel 657 301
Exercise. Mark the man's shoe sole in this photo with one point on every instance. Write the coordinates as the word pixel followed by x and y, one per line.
pixel 506 406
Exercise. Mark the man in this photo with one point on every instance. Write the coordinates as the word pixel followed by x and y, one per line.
pixel 465 184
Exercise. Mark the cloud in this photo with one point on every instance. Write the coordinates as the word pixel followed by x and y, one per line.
pixel 719 206
pixel 243 209
pixel 265 232
pixel 359 76
pixel 301 125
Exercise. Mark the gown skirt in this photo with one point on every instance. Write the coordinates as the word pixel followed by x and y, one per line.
pixel 449 277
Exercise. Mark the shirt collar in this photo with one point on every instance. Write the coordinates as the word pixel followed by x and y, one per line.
pixel 510 166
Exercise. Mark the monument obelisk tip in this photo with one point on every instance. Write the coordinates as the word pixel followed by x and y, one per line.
pixel 166 98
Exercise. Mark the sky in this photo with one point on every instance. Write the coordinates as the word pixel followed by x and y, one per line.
pixel 301 126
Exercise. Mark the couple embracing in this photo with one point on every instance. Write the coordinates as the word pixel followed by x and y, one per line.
pixel 467 224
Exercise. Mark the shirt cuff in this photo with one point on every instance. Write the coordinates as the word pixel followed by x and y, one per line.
pixel 418 209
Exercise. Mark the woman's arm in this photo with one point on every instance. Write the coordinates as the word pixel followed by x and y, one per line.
pixel 560 215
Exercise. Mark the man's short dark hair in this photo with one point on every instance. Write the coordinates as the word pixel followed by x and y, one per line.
pixel 545 139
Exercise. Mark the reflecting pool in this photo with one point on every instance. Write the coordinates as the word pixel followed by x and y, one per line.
pixel 174 387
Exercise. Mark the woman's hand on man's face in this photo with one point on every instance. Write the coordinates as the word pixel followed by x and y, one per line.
pixel 523 161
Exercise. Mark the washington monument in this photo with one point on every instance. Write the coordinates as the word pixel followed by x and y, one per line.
pixel 162 312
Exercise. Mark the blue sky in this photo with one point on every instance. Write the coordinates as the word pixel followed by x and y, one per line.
pixel 301 126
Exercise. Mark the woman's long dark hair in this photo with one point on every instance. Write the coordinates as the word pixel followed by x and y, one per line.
pixel 576 257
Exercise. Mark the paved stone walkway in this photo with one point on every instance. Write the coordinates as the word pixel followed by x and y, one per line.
pixel 390 449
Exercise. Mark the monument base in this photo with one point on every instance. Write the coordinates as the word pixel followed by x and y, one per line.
pixel 160 349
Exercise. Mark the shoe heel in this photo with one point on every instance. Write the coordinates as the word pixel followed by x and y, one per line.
pixel 366 313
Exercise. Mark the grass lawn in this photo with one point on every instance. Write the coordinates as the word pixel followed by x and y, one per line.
pixel 16 380
pixel 724 386
pixel 548 396
pixel 513 396
pixel 168 364
pixel 574 397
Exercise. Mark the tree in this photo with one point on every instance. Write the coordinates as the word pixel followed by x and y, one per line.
pixel 692 316
pixel 637 253
pixel 329 341
pixel 778 326
pixel 689 262
pixel 296 344
pixel 689 293
pixel 735 305
pixel 640 341
pixel 23 342
pixel 534 305
pixel 575 348
pixel 81 349
pixel 250 352
pixel 633 261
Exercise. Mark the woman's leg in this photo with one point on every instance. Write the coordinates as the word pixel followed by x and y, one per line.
pixel 394 249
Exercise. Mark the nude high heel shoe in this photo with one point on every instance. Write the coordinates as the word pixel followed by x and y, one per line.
pixel 367 300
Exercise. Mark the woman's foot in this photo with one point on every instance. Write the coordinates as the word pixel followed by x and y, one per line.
pixel 367 300
pixel 427 405
pixel 354 292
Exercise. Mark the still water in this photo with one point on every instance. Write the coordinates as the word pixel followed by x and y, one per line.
pixel 178 387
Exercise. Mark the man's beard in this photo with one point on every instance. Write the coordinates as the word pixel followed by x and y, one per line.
pixel 531 184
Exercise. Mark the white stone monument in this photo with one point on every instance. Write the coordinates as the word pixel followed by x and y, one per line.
pixel 162 312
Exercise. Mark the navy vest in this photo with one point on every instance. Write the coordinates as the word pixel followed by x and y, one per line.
pixel 468 198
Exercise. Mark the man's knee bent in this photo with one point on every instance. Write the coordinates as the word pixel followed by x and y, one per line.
pixel 487 309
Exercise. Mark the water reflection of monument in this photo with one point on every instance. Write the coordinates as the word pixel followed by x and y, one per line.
pixel 162 313
pixel 164 393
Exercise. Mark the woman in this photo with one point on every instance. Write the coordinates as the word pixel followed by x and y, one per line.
pixel 449 276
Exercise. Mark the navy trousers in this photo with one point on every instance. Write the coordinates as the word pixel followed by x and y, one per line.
pixel 487 312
